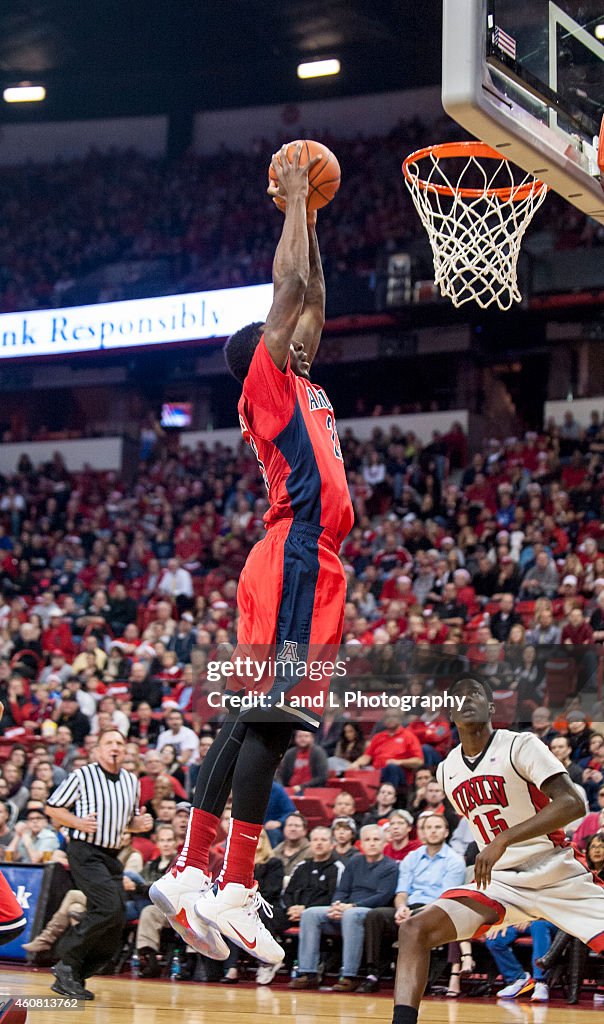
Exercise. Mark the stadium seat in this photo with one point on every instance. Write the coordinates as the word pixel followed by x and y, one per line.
pixel 560 680
pixel 506 702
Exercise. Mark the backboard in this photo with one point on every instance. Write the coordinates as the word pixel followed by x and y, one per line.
pixel 527 77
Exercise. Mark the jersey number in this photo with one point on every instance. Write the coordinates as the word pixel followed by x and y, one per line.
pixel 495 822
pixel 330 423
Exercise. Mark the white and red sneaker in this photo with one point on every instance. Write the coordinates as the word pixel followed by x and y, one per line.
pixel 175 895
pixel 233 911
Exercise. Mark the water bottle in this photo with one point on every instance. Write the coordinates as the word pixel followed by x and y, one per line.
pixel 175 968
pixel 135 964
pixel 294 973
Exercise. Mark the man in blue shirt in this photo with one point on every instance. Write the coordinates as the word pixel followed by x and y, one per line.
pixel 368 881
pixel 422 877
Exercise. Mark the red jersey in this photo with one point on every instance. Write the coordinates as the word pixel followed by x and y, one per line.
pixel 290 426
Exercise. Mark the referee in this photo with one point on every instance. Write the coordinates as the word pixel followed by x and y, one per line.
pixel 105 799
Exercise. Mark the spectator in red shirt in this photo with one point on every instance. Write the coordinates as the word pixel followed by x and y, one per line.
pixel 395 750
pixel 58 635
pixel 577 629
pixel 400 826
pixel 304 765
pixel 574 474
pixel 154 767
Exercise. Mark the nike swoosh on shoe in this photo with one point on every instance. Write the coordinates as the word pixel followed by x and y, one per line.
pixel 248 945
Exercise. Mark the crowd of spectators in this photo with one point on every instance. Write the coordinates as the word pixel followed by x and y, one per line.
pixel 116 597
pixel 204 222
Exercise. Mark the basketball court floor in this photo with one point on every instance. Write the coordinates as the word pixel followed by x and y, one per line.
pixel 123 1000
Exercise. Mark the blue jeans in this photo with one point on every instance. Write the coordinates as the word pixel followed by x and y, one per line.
pixel 509 966
pixel 351 926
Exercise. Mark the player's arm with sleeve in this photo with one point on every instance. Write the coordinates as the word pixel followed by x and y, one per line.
pixel 535 763
pixel 312 317
pixel 291 267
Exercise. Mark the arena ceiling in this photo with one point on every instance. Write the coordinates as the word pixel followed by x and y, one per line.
pixel 110 58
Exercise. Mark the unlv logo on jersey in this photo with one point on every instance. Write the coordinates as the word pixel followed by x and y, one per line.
pixel 480 791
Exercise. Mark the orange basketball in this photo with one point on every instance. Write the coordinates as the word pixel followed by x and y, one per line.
pixel 324 179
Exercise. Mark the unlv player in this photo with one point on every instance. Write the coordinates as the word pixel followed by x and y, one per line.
pixel 517 798
pixel 12 918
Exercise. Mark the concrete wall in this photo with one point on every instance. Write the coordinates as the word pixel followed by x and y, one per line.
pixel 249 128
pixel 66 140
pixel 581 409
pixel 97 452
pixel 421 424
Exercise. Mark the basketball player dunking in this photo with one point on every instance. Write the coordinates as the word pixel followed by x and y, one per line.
pixel 291 592
pixel 517 798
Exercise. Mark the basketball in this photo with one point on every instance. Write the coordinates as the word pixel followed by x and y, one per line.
pixel 324 179
pixel 11 1014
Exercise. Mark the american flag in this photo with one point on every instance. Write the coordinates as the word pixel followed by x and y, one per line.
pixel 504 42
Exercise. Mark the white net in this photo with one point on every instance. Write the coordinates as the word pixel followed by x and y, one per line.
pixel 476 222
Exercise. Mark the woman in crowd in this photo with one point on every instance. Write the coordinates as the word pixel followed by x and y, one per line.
pixel 351 744
pixel 171 765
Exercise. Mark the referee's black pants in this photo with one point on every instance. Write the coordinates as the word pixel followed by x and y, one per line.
pixel 91 943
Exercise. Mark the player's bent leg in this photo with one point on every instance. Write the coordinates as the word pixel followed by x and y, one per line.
pixel 443 921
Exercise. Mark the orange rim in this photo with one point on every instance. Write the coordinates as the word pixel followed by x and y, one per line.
pixel 450 150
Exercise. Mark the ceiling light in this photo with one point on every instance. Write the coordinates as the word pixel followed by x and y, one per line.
pixel 318 68
pixel 599 31
pixel 25 93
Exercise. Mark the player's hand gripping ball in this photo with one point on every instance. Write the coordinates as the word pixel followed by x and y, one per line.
pixel 324 177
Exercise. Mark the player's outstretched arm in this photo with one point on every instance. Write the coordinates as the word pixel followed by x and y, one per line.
pixel 312 317
pixel 565 806
pixel 291 265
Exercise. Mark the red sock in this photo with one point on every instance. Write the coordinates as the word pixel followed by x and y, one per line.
pixel 242 843
pixel 201 833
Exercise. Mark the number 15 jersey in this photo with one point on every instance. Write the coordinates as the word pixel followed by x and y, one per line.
pixel 289 423
pixel 501 788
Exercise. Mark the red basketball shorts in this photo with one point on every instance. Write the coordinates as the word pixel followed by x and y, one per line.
pixel 291 599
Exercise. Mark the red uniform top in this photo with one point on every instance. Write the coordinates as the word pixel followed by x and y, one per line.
pixel 289 424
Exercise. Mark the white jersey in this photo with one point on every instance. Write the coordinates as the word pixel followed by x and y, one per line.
pixel 500 789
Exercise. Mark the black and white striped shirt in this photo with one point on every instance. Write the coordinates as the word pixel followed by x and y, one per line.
pixel 92 790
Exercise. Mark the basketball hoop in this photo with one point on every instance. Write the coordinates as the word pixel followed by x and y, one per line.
pixel 475 224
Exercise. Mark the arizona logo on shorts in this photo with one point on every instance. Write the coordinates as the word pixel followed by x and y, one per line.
pixel 289 651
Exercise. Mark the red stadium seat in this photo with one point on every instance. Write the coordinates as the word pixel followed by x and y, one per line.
pixel 316 805
pixel 526 610
pixel 506 702
pixel 362 786
pixel 369 776
pixel 560 680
